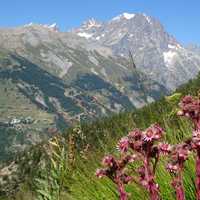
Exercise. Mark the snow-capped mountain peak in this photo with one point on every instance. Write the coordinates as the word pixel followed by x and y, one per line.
pixel 29 24
pixel 127 16
pixel 148 18
pixel 91 23
pixel 53 27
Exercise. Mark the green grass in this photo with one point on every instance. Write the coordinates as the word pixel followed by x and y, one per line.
pixel 87 186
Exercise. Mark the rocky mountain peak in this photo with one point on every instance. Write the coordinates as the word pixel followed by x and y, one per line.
pixel 154 50
pixel 131 17
pixel 91 23
pixel 125 15
pixel 52 27
pixel 134 30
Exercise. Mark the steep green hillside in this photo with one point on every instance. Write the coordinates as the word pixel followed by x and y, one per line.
pixel 79 181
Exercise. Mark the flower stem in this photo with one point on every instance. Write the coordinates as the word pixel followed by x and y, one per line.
pixel 198 175
pixel 122 193
pixel 152 186
pixel 180 193
pixel 178 185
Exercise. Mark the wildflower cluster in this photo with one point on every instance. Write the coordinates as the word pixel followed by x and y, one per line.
pixel 190 107
pixel 115 170
pixel 140 146
pixel 146 148
pixel 179 155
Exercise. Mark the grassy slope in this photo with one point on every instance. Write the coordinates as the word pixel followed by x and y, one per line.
pixel 106 133
pixel 103 135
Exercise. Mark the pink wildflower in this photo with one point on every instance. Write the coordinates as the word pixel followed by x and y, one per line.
pixel 101 173
pixel 149 135
pixel 155 132
pixel 172 168
pixel 164 148
pixel 135 134
pixel 123 144
pixel 196 138
pixel 108 161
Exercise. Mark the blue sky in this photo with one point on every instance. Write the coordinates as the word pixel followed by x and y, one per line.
pixel 181 18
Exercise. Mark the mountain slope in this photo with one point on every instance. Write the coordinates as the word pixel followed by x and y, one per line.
pixel 68 56
pixel 155 52
pixel 35 104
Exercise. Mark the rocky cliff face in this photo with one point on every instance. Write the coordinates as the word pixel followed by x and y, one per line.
pixel 155 52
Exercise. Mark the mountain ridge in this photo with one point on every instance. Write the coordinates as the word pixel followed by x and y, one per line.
pixel 70 78
pixel 155 52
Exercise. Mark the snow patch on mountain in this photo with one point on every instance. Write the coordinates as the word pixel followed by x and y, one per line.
pixel 169 57
pixel 98 38
pixel 127 16
pixel 131 35
pixel 147 18
pixel 29 24
pixel 53 27
pixel 175 47
pixel 172 46
pixel 85 35
pixel 91 23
